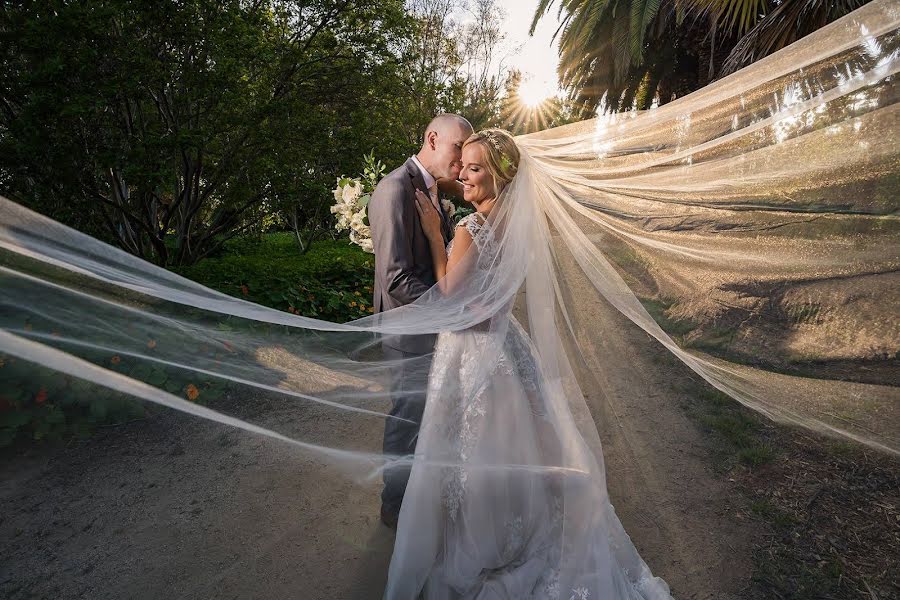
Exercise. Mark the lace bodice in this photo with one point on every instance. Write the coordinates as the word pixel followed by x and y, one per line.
pixel 480 230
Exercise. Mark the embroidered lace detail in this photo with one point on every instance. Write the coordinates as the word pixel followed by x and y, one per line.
pixel 645 583
pixel 580 593
pixel 467 408
pixel 454 490
pixel 482 236
pixel 465 422
pixel 514 529
pixel 551 588
pixel 518 358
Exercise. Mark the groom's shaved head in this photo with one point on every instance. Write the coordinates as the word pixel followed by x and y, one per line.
pixel 442 147
pixel 448 123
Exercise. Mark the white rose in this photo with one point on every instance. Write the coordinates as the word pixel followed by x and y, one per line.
pixel 449 207
pixel 351 193
pixel 357 220
pixel 367 246
pixel 338 193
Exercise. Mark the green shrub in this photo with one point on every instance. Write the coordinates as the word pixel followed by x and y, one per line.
pixel 333 281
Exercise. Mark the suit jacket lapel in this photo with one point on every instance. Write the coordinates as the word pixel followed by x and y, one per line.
pixel 417 180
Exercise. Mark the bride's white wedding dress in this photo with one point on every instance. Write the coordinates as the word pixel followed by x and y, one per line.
pixel 511 533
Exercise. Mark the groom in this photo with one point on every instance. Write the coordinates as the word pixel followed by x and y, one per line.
pixel 403 272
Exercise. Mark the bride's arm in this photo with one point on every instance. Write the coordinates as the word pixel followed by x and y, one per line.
pixel 462 239
pixel 431 225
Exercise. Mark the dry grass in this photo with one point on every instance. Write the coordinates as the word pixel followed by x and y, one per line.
pixel 830 509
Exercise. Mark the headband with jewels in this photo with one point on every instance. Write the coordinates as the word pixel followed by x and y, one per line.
pixel 505 162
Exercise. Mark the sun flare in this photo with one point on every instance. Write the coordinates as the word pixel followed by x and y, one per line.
pixel 534 92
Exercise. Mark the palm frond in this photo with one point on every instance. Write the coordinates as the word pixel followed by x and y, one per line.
pixel 642 14
pixel 787 23
pixel 542 8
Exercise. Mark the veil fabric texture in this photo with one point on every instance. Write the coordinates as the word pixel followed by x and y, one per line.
pixel 751 228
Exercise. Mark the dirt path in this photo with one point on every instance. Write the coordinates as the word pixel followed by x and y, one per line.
pixel 688 525
pixel 174 507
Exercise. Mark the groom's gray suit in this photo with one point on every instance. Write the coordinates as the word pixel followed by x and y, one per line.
pixel 403 272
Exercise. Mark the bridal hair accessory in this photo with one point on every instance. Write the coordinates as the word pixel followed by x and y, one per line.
pixel 492 138
pixel 505 162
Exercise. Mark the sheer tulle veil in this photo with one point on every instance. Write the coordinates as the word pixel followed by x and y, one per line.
pixel 750 228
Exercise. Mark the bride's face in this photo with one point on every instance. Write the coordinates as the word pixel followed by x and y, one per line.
pixel 478 184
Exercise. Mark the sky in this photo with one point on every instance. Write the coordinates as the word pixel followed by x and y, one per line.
pixel 535 56
pixel 538 56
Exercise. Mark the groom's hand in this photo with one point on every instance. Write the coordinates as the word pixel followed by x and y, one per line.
pixel 451 187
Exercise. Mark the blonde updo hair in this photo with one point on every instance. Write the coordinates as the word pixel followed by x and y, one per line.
pixel 501 155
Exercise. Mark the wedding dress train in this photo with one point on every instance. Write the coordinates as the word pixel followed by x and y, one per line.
pixel 507 533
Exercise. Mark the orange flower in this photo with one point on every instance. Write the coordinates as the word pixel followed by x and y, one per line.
pixel 352 304
pixel 151 344
pixel 115 360
pixel 192 392
pixel 41 396
pixel 245 290
pixel 371 309
pixel 290 309
pixel 356 293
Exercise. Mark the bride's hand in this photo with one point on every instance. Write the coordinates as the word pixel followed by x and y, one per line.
pixel 431 220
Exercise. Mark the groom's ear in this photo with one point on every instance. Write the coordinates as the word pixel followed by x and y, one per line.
pixel 431 139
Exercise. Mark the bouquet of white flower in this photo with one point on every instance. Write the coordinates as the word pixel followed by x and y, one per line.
pixel 350 209
pixel 352 199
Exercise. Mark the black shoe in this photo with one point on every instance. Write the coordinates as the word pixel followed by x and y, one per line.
pixel 389 516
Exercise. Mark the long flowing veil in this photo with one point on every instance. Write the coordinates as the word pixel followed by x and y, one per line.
pixel 750 228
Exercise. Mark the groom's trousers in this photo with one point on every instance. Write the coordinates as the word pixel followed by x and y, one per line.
pixel 408 384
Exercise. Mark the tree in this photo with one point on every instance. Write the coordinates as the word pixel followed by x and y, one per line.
pixel 169 127
pixel 455 65
pixel 766 27
pixel 483 64
pixel 624 54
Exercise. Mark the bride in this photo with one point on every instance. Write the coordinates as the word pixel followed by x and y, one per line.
pixel 505 499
